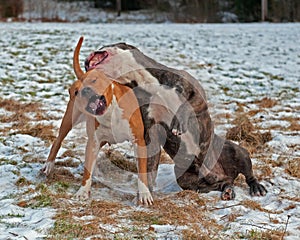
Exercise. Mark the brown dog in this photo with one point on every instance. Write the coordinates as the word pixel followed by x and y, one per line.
pixel 112 115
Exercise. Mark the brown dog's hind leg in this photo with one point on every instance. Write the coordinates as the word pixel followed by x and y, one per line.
pixel 243 160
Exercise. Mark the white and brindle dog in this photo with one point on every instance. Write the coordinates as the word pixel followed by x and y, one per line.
pixel 173 114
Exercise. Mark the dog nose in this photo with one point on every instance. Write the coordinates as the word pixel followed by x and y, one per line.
pixel 102 98
pixel 86 92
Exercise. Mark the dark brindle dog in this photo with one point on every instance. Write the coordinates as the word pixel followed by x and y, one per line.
pixel 175 116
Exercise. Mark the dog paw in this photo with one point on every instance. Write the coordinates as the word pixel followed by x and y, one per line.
pixel 47 168
pixel 82 194
pixel 145 198
pixel 228 193
pixel 257 189
pixel 144 195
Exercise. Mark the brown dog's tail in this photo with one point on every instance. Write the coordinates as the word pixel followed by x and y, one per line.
pixel 76 65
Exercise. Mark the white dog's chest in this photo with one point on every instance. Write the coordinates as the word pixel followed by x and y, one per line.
pixel 113 127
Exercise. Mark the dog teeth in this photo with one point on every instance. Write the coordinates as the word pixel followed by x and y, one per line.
pixel 93 106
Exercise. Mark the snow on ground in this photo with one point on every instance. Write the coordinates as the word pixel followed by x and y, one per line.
pixel 238 65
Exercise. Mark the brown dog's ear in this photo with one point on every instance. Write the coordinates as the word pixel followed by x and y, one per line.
pixel 76 65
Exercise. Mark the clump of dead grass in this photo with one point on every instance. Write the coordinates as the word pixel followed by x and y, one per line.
pixel 123 163
pixel 246 134
pixel 22 123
pixel 294 125
pixel 45 132
pixel 256 206
pixel 16 106
pixel 63 175
pixel 165 158
pixel 119 160
pixel 266 102
pixel 293 167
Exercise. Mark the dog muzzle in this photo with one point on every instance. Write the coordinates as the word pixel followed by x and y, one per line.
pixel 94 59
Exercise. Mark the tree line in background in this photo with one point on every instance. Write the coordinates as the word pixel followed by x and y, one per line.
pixel 181 10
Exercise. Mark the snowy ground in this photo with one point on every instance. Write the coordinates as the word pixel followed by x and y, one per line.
pixel 238 65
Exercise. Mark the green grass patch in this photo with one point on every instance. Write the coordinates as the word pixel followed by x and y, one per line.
pixel 22 181
pixel 61 187
pixel 42 200
pixel 65 229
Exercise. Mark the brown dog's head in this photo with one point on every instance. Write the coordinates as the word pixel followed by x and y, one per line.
pixel 93 89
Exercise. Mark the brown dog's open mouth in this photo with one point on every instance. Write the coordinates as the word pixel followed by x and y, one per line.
pixel 94 59
pixel 96 105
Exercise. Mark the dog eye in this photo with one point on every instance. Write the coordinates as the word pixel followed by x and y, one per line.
pixel 76 92
pixel 94 81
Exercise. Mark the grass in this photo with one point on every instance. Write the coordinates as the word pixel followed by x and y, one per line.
pixel 22 181
pixel 246 134
pixel 4 161
pixel 181 209
pixel 65 230
pixel 293 167
pixel 256 234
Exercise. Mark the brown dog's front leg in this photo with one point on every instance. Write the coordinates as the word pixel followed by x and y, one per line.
pixel 128 102
pixel 71 117
pixel 144 193
pixel 91 152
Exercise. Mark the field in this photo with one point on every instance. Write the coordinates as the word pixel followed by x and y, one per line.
pixel 251 74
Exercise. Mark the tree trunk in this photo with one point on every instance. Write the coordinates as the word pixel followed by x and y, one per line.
pixel 119 6
pixel 264 10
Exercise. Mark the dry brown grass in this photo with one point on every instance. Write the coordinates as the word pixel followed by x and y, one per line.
pixel 240 181
pixel 165 158
pixel 293 167
pixel 119 160
pixel 181 209
pixel 256 206
pixel 246 134
pixel 22 123
pixel 16 106
pixel 266 102
pixel 294 126
pixel 60 174
pixel 42 131
pixel 71 222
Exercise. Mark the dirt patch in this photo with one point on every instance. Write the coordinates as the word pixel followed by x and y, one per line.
pixel 247 135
